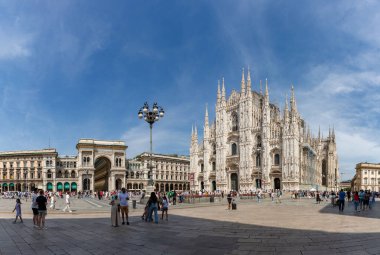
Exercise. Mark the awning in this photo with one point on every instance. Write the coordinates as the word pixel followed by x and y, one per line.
pixel 59 186
pixel 11 185
pixel 73 186
pixel 5 185
pixel 67 185
pixel 49 186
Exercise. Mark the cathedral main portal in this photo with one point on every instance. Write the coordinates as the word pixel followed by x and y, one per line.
pixel 102 171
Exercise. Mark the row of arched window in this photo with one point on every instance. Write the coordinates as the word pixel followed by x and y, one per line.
pixel 86 161
pixel 118 162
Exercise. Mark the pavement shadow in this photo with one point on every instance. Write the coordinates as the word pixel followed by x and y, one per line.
pixel 180 235
pixel 349 209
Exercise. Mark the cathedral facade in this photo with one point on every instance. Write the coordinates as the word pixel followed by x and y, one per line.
pixel 252 145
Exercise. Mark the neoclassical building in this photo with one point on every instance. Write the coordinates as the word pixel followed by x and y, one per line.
pixel 367 177
pixel 98 166
pixel 170 172
pixel 251 144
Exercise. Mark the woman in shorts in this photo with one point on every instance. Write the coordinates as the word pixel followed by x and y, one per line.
pixel 165 207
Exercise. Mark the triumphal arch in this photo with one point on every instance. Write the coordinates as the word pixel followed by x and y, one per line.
pixel 101 164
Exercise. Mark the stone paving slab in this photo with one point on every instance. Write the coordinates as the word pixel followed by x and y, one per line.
pixel 292 227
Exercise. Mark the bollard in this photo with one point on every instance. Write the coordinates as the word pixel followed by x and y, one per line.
pixel 134 204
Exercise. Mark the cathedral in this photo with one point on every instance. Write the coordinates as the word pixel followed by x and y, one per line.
pixel 252 145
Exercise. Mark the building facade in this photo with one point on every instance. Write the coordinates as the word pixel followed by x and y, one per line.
pixel 252 145
pixel 98 166
pixel 169 172
pixel 367 177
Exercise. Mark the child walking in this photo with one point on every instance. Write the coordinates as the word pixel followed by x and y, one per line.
pixel 18 210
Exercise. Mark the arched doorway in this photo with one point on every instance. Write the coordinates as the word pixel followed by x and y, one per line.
pixel 213 185
pixel 49 186
pixel 5 187
pixel 166 187
pixel 102 170
pixel 118 184
pixel 258 183
pixel 66 186
pixel 277 183
pixel 12 187
pixel 202 185
pixel 234 182
pixel 86 184
pixel 73 186
pixel 162 187
pixel 129 186
pixel 171 186
pixel 59 186
pixel 18 186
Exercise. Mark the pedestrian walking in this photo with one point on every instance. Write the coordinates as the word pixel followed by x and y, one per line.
pixel 18 210
pixel 124 197
pixel 229 200
pixel 279 193
pixel 356 201
pixel 153 207
pixel 67 200
pixel 35 207
pixel 52 202
pixel 115 211
pixel 318 198
pixel 341 198
pixel 164 207
pixel 42 212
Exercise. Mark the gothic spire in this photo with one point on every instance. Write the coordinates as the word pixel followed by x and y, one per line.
pixel 293 101
pixel 261 88
pixel 286 110
pixel 242 82
pixel 333 132
pixel 218 95
pixel 319 133
pixel 266 88
pixel 206 117
pixel 249 82
pixel 223 90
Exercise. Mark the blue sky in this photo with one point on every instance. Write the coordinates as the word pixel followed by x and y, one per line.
pixel 71 70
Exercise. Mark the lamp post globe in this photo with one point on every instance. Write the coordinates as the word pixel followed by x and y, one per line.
pixel 150 115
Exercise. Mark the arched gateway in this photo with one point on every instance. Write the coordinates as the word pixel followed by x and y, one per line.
pixel 101 164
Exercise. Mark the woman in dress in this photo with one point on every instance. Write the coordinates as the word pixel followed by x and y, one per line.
pixel 115 215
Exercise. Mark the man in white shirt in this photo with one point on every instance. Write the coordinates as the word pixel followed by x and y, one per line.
pixel 35 208
pixel 67 203
pixel 123 196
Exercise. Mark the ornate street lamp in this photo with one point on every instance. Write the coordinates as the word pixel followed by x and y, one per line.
pixel 151 116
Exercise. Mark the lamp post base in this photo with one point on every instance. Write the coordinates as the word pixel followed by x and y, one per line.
pixel 149 189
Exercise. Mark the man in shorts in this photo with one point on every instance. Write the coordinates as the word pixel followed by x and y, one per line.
pixel 35 208
pixel 42 210
pixel 123 196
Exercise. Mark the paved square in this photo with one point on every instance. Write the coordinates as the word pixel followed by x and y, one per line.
pixel 292 227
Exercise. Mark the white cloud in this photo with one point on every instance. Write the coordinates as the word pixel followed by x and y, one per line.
pixel 14 45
